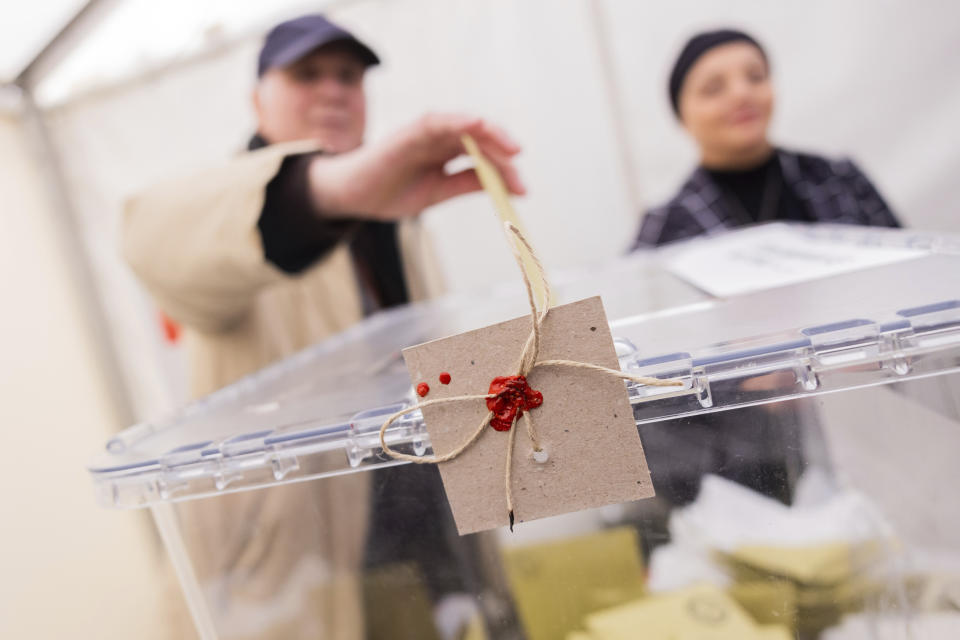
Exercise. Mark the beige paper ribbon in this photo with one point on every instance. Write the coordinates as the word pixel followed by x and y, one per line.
pixel 493 185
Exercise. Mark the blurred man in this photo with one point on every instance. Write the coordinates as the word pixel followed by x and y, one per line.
pixel 310 230
pixel 285 245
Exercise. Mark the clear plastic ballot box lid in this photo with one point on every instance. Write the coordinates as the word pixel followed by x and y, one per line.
pixel 805 310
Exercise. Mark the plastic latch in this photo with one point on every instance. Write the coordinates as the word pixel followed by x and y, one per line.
pixel 178 466
pixel 239 453
pixel 933 325
pixel 282 464
pixel 892 347
pixel 700 384
pixel 842 343
pixel 672 365
pixel 407 434
pixel 806 375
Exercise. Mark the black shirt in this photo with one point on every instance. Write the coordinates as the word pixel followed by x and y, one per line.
pixel 409 520
pixel 759 194
pixel 295 237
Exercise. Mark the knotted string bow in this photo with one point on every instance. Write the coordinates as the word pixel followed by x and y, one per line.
pixel 518 395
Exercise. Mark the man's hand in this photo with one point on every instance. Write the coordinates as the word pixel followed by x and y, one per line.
pixel 405 174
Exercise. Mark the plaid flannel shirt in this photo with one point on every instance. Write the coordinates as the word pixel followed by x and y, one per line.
pixel 833 191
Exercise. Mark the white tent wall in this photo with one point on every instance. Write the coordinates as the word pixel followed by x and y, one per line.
pixel 119 140
pixel 67 568
pixel 868 79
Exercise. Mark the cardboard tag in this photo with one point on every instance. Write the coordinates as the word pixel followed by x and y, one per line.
pixel 585 424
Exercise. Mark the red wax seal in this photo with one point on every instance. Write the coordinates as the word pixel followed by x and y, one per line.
pixel 423 389
pixel 444 378
pixel 514 396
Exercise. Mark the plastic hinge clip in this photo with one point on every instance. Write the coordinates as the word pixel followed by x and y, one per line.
pixel 674 365
pixel 701 387
pixel 237 453
pixel 177 467
pixel 894 358
pixel 933 325
pixel 806 375
pixel 843 343
pixel 407 434
pixel 283 464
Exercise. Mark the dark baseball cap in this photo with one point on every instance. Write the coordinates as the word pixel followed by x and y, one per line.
pixel 291 40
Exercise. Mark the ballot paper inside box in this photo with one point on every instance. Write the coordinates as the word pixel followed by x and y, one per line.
pixel 282 514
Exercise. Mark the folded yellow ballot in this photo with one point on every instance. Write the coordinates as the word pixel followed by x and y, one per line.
pixel 768 601
pixel 555 584
pixel 821 564
pixel 701 612
pixel 774 632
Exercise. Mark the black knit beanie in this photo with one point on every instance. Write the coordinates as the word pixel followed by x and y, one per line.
pixel 696 47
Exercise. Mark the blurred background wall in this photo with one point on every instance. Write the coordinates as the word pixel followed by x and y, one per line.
pixel 144 90
pixel 67 568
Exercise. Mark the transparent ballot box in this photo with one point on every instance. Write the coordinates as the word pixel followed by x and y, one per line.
pixel 805 470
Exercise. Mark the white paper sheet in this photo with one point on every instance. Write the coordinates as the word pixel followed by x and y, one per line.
pixel 772 256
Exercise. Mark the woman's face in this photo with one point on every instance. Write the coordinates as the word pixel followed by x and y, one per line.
pixel 726 100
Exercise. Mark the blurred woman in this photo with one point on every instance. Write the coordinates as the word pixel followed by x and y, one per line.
pixel 721 92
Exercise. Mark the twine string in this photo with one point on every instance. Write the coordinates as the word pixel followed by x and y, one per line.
pixel 527 362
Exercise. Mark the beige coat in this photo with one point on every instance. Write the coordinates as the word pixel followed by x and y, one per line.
pixel 280 562
pixel 195 245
